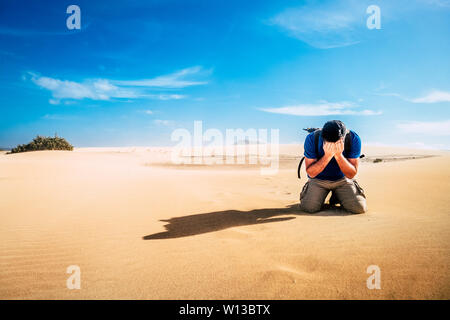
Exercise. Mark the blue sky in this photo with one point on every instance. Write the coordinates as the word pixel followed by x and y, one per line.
pixel 137 70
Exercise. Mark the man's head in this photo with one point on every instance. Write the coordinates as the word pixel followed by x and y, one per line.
pixel 333 130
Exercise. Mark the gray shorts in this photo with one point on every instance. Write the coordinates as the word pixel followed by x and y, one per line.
pixel 350 195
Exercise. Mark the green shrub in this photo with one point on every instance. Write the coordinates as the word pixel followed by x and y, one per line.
pixel 377 160
pixel 44 143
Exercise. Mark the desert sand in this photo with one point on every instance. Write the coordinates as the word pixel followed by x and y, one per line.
pixel 141 228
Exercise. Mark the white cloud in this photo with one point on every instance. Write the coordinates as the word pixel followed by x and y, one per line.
pixel 166 123
pixel 58 117
pixel 322 109
pixel 431 128
pixel 433 97
pixel 413 145
pixel 167 96
pixel 439 3
pixel 325 26
pixel 105 89
pixel 148 111
pixel 174 80
pixel 92 89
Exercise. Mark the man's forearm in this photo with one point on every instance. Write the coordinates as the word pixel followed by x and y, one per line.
pixel 317 167
pixel 346 167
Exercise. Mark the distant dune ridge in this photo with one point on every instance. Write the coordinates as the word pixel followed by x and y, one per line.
pixel 141 227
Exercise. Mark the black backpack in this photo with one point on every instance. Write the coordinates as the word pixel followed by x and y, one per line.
pixel 317 132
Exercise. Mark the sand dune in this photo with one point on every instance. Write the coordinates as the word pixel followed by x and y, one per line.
pixel 139 227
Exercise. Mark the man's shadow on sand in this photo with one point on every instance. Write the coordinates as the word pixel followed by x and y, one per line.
pixel 214 221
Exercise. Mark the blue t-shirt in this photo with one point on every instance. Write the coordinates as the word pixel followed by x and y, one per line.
pixel 332 171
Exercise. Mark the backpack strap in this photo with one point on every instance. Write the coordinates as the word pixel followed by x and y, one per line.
pixel 299 167
pixel 316 142
pixel 316 147
pixel 348 142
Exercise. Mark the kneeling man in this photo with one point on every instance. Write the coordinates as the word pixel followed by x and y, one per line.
pixel 331 159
